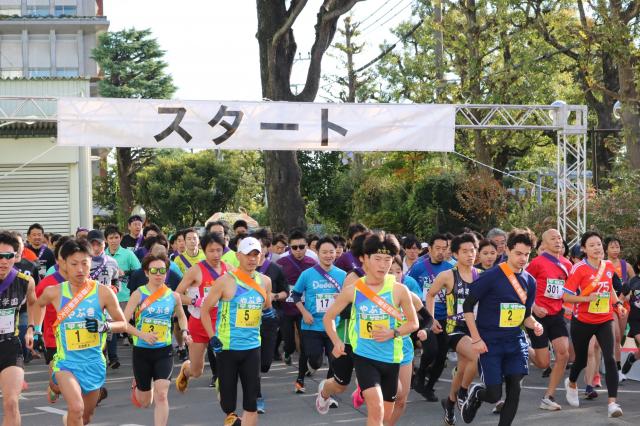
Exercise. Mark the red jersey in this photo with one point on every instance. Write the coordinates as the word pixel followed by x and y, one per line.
pixel 50 313
pixel 599 310
pixel 550 274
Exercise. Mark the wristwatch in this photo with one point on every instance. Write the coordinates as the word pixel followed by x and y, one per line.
pixel 396 333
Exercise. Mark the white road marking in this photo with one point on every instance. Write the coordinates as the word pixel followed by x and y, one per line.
pixel 52 410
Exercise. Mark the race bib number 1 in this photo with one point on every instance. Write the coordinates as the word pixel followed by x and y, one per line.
pixel 554 289
pixel 77 337
pixel 511 314
pixel 600 305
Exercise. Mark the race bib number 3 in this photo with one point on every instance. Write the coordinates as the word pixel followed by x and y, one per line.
pixel 600 305
pixel 373 322
pixel 77 337
pixel 323 301
pixel 7 321
pixel 247 316
pixel 554 289
pixel 511 314
pixel 158 327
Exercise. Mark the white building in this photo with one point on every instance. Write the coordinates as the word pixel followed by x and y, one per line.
pixel 45 51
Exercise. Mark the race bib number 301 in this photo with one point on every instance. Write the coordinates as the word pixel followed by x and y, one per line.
pixel 554 289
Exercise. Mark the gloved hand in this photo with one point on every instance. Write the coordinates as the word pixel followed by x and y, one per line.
pixel 215 344
pixel 96 326
pixel 38 342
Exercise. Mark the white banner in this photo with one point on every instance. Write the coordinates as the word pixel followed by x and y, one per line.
pixel 152 123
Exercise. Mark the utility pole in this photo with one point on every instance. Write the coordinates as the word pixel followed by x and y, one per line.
pixel 351 75
pixel 438 48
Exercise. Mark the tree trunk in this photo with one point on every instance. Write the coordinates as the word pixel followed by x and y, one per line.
pixel 630 112
pixel 277 51
pixel 125 165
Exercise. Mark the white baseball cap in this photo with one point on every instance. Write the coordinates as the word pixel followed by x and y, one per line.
pixel 249 244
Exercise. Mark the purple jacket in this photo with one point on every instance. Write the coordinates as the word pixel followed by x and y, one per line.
pixel 292 268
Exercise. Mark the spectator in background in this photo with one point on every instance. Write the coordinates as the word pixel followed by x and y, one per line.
pixel 499 238
pixel 240 227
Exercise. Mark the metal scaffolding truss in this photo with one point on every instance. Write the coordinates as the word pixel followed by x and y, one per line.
pixel 570 124
pixel 568 121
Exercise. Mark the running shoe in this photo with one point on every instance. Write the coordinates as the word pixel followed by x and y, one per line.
pixel 471 405
pixel 596 381
pixel 260 405
pixel 614 410
pixel 449 411
pixel 115 364
pixel 287 359
pixel 628 363
pixel 549 403
pixel 183 355
pixel 134 400
pixel 461 397
pixel 310 371
pixel 103 395
pixel 212 383
pixel 232 419
pixel 333 403
pixel 322 404
pixel 52 397
pixel 621 377
pixel 572 394
pixel 182 382
pixel 299 386
pixel 25 386
pixel 497 409
pixel 590 392
pixel 546 373
pixel 429 395
pixel 356 398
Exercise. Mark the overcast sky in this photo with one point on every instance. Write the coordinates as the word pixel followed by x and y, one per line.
pixel 211 47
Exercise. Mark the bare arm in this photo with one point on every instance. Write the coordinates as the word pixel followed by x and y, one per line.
pixel 215 294
pixel 266 283
pixel 188 280
pixel 342 301
pixel 444 279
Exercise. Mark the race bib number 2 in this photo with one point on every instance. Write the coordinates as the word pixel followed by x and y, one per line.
pixel 511 314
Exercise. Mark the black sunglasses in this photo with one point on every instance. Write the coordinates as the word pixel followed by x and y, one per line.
pixel 300 247
pixel 7 255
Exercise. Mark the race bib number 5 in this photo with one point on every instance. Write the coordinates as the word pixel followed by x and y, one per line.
pixel 77 337
pixel 368 323
pixel 248 316
pixel 600 305
pixel 554 289
pixel 511 314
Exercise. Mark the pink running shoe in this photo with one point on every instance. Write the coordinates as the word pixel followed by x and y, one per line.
pixel 357 398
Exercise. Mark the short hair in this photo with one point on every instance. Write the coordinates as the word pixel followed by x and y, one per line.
pixel 496 232
pixel 483 243
pixel 55 238
pixel 354 229
pixel 261 233
pixel 357 246
pixel 410 241
pixel 449 236
pixel 190 230
pixel 111 229
pixel 61 241
pixel 280 238
pixel 8 238
pixel 378 244
pixel 240 223
pixel 74 246
pixel 436 237
pixel 312 237
pixel 610 240
pixel 587 235
pixel 521 236
pixel 265 242
pixel 35 226
pixel 398 260
pixel 173 238
pixel 326 240
pixel 158 239
pixel 210 238
pixel 459 240
pixel 340 240
pixel 152 257
pixel 297 234
pixel 225 226
pixel 151 227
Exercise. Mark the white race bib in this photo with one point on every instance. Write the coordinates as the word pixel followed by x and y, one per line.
pixel 7 321
pixel 323 301
pixel 554 289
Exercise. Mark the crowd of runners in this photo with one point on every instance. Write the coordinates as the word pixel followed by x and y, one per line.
pixel 370 302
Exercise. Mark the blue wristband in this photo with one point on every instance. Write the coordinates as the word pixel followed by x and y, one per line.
pixel 37 328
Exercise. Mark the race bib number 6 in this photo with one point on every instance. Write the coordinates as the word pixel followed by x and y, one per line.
pixel 369 323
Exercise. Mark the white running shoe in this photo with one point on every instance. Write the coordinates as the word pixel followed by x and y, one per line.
pixel 621 377
pixel 614 410
pixel 572 394
pixel 333 403
pixel 550 404
pixel 322 405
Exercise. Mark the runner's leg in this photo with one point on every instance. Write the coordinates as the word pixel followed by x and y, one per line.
pixel 72 395
pixel 161 401
pixel 404 386
pixel 11 379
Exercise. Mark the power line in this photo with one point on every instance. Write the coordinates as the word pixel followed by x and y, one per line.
pixel 504 172
pixel 384 3
pixel 385 14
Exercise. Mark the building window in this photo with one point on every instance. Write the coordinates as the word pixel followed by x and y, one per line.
pixel 10 8
pixel 39 56
pixel 67 55
pixel 38 8
pixel 66 10
pixel 11 56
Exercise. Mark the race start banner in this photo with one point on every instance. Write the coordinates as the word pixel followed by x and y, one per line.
pixel 153 123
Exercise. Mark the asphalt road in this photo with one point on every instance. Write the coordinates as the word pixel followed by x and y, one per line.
pixel 199 406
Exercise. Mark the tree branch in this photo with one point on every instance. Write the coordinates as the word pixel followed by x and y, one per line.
pixel 295 9
pixel 339 11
